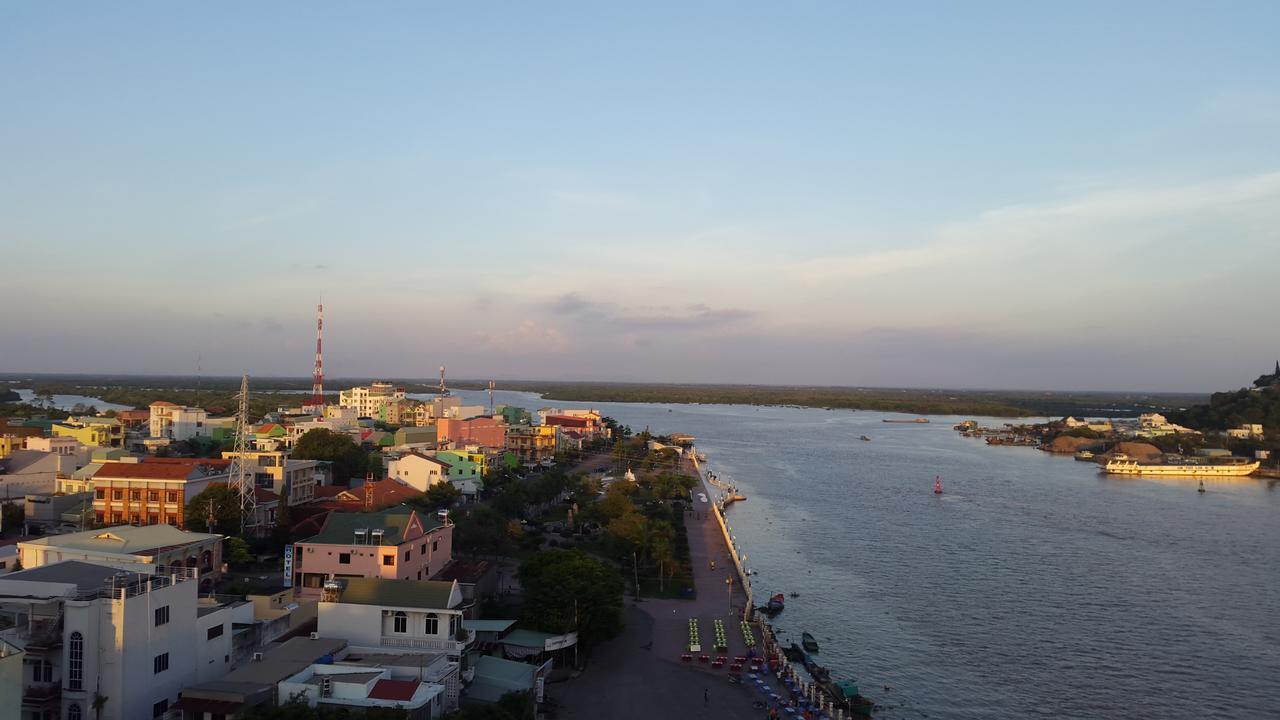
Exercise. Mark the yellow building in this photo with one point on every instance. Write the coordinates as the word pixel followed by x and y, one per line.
pixel 9 443
pixel 532 443
pixel 102 432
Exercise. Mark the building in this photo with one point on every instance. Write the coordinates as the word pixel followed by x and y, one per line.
pixel 177 422
pixel 424 436
pixel 587 422
pixel 362 686
pixel 371 496
pixel 135 420
pixel 396 543
pixel 9 443
pixel 464 464
pixel 50 511
pixel 135 639
pixel 154 491
pixel 99 431
pixel 294 480
pixel 1248 431
pixel 532 444
pixel 58 445
pixel 484 431
pixel 418 470
pixel 371 400
pixel 32 471
pixel 136 549
pixel 11 680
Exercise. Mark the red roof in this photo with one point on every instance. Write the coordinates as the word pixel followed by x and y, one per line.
pixel 212 462
pixel 399 690
pixel 566 421
pixel 328 491
pixel 152 470
pixel 264 495
pixel 133 414
pixel 387 491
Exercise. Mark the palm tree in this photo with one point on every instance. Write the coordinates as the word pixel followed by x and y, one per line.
pixel 99 702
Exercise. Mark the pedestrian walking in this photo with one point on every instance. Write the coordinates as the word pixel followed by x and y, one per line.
pixel 706 696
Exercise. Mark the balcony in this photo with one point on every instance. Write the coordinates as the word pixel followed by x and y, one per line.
pixel 41 693
pixel 449 645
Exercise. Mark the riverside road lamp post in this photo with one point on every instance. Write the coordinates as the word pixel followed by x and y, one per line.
pixel 728 586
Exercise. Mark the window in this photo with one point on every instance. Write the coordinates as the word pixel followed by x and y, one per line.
pixel 422 550
pixel 388 559
pixel 432 625
pixel 117 494
pixel 215 631
pixel 406 555
pixel 171 496
pixel 400 623
pixel 100 493
pixel 162 615
pixel 153 496
pixel 75 662
pixel 160 708
pixel 100 518
pixel 135 494
pixel 344 558
pixel 73 712
pixel 160 663
pixel 434 545
pixel 152 518
pixel 42 671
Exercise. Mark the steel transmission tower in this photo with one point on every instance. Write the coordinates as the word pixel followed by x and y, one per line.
pixel 241 475
pixel 317 375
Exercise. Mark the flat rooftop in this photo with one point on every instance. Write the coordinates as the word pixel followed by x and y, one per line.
pixel 85 576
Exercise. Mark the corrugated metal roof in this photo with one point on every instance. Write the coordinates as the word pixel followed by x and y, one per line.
pixel 425 594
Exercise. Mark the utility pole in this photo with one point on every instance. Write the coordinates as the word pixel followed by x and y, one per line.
pixel 241 479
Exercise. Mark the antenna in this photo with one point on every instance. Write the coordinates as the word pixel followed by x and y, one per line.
pixel 317 374
pixel 241 478
pixel 491 405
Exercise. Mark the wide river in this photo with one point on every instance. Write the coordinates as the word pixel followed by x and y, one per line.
pixel 1033 587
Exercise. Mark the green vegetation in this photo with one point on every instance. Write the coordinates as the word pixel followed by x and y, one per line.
pixel 237 552
pixel 296 708
pixel 349 459
pixel 512 706
pixel 219 502
pixel 9 396
pixel 567 590
pixel 1232 409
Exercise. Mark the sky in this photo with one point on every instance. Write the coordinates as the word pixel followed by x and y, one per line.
pixel 973 195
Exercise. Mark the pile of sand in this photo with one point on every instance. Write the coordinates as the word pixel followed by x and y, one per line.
pixel 1068 444
pixel 1142 452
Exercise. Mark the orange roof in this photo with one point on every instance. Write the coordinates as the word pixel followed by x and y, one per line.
pixel 387 491
pixel 328 491
pixel 264 495
pixel 398 690
pixel 149 470
pixel 133 414
pixel 164 403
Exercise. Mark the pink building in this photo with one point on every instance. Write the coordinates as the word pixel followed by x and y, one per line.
pixel 485 431
pixel 395 544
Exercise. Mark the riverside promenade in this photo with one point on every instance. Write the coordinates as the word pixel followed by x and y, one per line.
pixel 625 680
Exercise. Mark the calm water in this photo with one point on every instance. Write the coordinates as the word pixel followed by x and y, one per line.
pixel 67 402
pixel 1034 587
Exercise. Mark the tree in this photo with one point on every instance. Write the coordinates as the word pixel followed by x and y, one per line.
pixel 374 467
pixel 45 397
pixel 481 530
pixel 442 495
pixel 237 552
pixel 567 590
pixel 222 503
pixel 348 459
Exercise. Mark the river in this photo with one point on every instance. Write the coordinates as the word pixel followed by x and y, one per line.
pixel 69 402
pixel 1033 587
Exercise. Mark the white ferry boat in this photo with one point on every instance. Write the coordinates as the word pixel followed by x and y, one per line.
pixel 1225 468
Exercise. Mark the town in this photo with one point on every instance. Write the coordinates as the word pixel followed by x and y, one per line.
pixel 379 554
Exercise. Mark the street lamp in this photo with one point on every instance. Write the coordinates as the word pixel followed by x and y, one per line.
pixel 728 586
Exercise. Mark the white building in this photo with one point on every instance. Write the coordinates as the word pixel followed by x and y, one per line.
pixel 370 400
pixel 140 549
pixel 177 422
pixel 90 630
pixel 1248 431
pixel 364 685
pixel 399 616
pixel 418 470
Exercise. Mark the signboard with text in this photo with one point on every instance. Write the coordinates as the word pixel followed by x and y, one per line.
pixel 288 565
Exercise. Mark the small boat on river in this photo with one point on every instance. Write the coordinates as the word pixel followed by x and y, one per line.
pixel 809 642
pixel 777 604
pixel 864 438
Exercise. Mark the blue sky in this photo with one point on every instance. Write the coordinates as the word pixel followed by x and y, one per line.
pixel 920 194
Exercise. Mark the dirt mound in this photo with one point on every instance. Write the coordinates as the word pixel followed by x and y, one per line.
pixel 1069 444
pixel 1142 452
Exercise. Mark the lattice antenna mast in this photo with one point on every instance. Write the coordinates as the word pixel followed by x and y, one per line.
pixel 241 476
pixel 492 407
pixel 317 375
pixel 443 390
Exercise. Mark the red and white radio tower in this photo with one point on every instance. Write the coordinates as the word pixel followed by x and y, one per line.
pixel 317 375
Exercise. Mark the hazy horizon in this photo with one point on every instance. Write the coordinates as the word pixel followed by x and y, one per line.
pixel 987 196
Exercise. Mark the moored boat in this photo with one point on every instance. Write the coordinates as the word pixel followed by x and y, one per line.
pixel 864 438
pixel 808 642
pixel 776 604
pixel 1237 467
pixel 918 420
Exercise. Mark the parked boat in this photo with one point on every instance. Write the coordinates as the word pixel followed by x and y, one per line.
pixel 864 438
pixel 1226 467
pixel 916 420
pixel 1086 455
pixel 808 642
pixel 776 604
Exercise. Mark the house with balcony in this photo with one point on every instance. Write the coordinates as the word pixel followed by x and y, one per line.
pixel 418 470
pixel 398 543
pixel 94 431
pixel 533 444
pixel 295 481
pixel 134 638
pixel 177 422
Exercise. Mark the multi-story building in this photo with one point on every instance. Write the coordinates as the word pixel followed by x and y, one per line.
pixel 99 431
pixel 464 464
pixel 397 543
pixel 153 491
pixel 418 470
pixel 137 549
pixel 293 480
pixel 58 445
pixel 134 639
pixel 1247 431
pixel 177 422
pixel 9 443
pixel 485 431
pixel 370 400
pixel 532 444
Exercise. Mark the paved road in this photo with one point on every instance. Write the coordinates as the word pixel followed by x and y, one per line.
pixel 625 680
